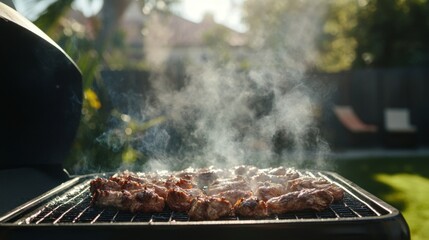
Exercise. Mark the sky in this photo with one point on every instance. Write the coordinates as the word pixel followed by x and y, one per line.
pixel 226 12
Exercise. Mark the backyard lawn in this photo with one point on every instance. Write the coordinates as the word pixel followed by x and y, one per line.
pixel 402 182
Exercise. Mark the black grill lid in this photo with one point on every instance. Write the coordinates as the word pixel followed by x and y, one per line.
pixel 41 95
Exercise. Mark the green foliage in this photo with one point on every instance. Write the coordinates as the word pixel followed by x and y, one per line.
pixel 270 21
pixel 48 20
pixel 286 30
pixel 217 39
pixel 98 47
pixel 392 33
pixel 355 34
pixel 336 46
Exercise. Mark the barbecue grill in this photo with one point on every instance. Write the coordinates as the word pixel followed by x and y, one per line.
pixel 65 211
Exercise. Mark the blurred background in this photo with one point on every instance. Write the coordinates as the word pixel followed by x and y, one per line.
pixel 340 85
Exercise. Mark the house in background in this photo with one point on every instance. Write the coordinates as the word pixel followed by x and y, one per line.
pixel 166 37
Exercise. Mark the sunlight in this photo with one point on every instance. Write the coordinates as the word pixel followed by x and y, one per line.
pixel 227 12
pixel 412 190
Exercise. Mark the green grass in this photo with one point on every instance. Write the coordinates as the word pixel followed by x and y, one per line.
pixel 402 182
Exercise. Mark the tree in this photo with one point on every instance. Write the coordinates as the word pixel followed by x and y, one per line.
pixel 336 46
pixel 287 28
pixel 87 45
pixel 352 33
pixel 392 33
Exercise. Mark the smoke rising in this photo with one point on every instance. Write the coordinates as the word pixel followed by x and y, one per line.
pixel 223 115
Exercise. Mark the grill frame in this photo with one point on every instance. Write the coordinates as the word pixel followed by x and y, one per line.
pixel 388 224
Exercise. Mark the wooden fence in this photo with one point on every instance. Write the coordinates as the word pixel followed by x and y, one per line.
pixel 372 94
pixel 368 93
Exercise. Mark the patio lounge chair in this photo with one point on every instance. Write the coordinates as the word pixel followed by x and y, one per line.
pixel 353 132
pixel 398 120
pixel 351 121
pixel 399 131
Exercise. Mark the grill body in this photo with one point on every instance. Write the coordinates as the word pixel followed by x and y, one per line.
pixel 65 212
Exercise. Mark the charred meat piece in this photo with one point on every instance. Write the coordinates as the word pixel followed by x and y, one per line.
pixel 180 200
pixel 173 182
pixel 269 190
pixel 234 195
pixel 228 184
pixel 160 190
pixel 205 178
pixel 109 198
pixel 119 183
pixel 274 171
pixel 261 177
pixel 127 184
pixel 318 183
pixel 251 207
pixel 315 199
pixel 280 179
pixel 187 174
pixel 145 200
pixel 307 182
pixel 209 208
pixel 113 183
pixel 103 184
pixel 277 171
pixel 246 170
pixel 127 175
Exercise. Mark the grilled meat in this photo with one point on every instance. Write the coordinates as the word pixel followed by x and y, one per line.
pixel 269 190
pixel 318 183
pixel 205 178
pixel 130 176
pixel 188 174
pixel 233 196
pixel 277 171
pixel 103 184
pixel 145 200
pixel 280 179
pixel 119 183
pixel 180 200
pixel 160 190
pixel 109 198
pixel 237 183
pixel 251 207
pixel 173 182
pixel 209 208
pixel 209 194
pixel 245 170
pixel 115 184
pixel 305 199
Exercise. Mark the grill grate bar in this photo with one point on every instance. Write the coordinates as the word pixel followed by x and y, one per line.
pixel 67 211
pixel 61 205
pixel 95 219
pixel 114 217
pixel 80 214
pixel 370 210
pixel 336 214
pixel 351 209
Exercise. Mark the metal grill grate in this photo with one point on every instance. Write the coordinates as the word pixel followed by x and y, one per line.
pixel 74 206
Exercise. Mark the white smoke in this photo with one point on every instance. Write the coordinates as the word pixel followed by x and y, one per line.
pixel 224 116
